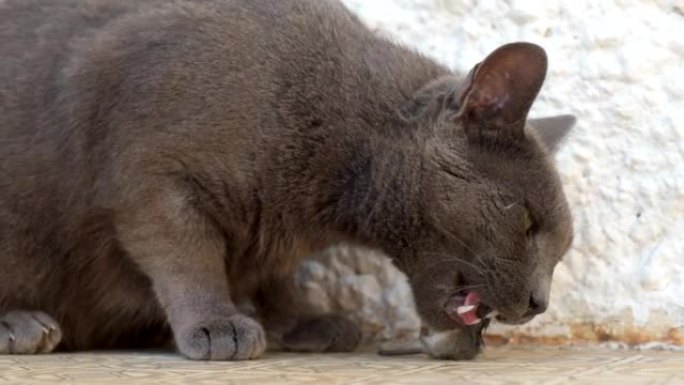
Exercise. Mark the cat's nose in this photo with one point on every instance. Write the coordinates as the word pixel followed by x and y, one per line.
pixel 538 304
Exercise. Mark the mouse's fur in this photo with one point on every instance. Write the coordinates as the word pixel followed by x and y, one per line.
pixel 161 160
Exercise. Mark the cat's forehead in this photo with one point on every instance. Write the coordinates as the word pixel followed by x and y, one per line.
pixel 524 175
pixel 516 171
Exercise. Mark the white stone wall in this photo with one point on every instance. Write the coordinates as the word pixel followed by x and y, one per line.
pixel 619 67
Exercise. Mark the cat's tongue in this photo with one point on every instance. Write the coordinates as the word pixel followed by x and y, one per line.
pixel 464 308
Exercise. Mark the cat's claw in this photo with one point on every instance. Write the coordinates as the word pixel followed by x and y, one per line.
pixel 28 332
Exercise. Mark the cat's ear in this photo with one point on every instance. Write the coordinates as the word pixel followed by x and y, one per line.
pixel 552 129
pixel 498 92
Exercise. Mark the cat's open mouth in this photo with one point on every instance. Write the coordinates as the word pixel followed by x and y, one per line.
pixel 465 307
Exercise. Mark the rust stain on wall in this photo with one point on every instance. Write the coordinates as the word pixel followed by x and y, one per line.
pixel 592 333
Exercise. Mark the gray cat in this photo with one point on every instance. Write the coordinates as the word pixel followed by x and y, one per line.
pixel 162 160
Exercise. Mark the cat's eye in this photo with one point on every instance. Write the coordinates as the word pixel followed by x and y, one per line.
pixel 530 225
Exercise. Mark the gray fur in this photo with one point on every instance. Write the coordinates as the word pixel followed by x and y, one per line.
pixel 162 160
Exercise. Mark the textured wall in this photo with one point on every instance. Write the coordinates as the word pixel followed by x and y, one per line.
pixel 619 67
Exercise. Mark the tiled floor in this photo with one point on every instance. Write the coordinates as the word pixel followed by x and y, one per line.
pixel 538 366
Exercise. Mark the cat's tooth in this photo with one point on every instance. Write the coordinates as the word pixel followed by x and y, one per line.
pixel 464 309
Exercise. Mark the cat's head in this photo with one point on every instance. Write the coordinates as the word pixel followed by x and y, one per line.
pixel 495 221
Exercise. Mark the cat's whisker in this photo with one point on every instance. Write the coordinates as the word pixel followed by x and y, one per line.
pixel 455 238
pixel 508 207
pixel 453 259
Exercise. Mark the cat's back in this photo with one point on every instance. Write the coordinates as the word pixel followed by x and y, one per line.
pixel 89 81
pixel 83 82
pixel 57 51
pixel 37 40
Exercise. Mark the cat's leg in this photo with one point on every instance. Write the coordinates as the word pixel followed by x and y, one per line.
pixel 296 327
pixel 28 332
pixel 182 253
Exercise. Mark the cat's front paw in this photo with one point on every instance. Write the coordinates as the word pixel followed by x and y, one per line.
pixel 235 337
pixel 328 333
pixel 28 332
